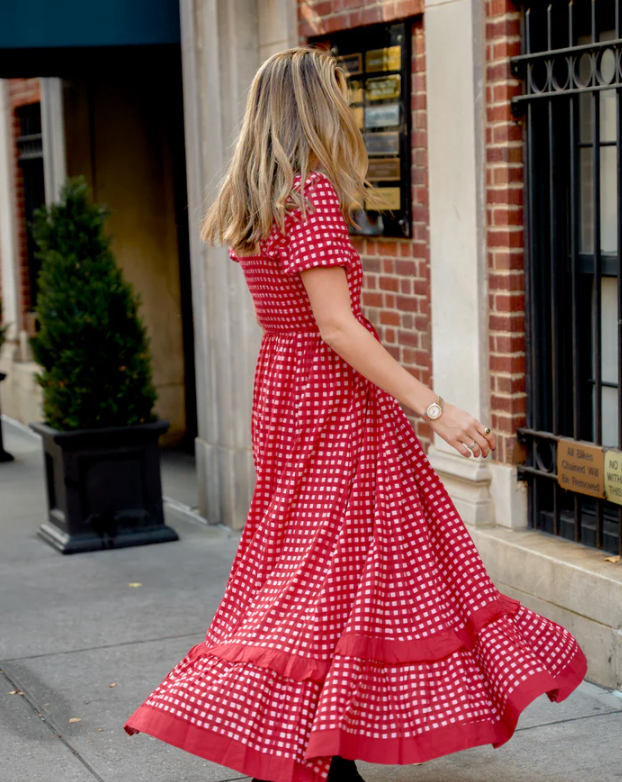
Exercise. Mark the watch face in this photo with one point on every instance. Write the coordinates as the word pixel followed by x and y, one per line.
pixel 434 410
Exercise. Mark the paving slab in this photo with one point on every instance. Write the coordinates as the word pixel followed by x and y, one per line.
pixel 577 750
pixel 52 602
pixel 77 686
pixel 29 749
pixel 87 600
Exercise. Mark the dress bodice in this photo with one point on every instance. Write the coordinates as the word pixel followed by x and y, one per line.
pixel 322 239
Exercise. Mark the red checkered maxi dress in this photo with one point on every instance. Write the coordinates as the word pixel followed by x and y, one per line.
pixel 358 618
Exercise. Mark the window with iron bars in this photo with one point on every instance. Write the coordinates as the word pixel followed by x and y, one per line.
pixel 571 106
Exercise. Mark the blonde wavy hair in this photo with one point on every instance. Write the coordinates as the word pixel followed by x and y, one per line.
pixel 297 117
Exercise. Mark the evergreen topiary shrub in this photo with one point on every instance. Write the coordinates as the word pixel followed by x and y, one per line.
pixel 92 344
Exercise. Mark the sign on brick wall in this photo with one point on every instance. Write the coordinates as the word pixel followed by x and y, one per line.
pixel 580 467
pixel 376 60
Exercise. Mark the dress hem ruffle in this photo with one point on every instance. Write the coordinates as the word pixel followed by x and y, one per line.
pixel 436 647
pixel 431 744
pixel 445 740
pixel 215 747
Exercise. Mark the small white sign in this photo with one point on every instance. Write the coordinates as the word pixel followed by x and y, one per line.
pixel 382 116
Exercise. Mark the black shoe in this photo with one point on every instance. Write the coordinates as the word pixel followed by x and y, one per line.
pixel 342 770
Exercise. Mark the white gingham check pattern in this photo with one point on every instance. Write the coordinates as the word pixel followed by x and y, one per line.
pixel 357 608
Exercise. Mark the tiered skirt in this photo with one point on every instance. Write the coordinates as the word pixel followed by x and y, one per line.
pixel 358 619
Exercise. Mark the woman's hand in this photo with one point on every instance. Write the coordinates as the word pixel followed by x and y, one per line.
pixel 460 429
pixel 329 296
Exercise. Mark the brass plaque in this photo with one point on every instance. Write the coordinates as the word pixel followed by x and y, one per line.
pixel 381 116
pixel 580 467
pixel 382 143
pixel 387 59
pixel 383 87
pixel 351 63
pixel 356 91
pixel 390 199
pixel 384 168
pixel 359 116
pixel 613 475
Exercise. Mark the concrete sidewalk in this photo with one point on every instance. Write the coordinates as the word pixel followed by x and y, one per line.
pixel 81 646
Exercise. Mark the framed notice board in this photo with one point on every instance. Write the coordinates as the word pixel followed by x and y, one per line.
pixel 376 60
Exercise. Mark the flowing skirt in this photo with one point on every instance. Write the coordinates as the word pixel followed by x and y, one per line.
pixel 358 618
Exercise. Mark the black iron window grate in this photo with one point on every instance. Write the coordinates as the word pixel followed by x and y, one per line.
pixel 571 67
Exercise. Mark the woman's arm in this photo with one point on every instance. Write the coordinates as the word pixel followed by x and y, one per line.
pixel 329 297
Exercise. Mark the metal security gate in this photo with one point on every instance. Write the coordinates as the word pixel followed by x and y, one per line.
pixel 571 68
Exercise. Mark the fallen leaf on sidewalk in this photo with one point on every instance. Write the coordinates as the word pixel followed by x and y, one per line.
pixel 114 684
pixel 99 730
pixel 15 692
pixel 615 558
pixel 76 719
pixel 135 584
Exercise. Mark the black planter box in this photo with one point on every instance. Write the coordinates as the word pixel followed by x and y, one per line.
pixel 103 487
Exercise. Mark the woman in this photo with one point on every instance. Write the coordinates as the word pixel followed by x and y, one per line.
pixel 358 620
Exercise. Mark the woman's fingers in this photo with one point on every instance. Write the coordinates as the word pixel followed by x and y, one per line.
pixel 473 442
pixel 464 432
pixel 463 450
pixel 461 447
pixel 481 443
pixel 492 440
pixel 489 439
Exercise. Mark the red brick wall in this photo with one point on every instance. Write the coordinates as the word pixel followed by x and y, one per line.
pixel 505 238
pixel 319 17
pixel 396 284
pixel 21 93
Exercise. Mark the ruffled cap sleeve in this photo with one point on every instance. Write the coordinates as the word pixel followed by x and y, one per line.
pixel 322 239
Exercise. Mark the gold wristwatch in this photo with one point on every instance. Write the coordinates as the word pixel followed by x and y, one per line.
pixel 434 410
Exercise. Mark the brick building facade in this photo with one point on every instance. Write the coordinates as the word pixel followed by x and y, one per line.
pixel 396 294
pixel 396 285
pixel 466 48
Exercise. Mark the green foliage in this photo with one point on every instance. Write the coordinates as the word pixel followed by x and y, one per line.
pixel 3 328
pixel 92 345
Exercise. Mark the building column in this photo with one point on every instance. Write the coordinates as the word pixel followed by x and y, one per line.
pixel 53 132
pixel 454 68
pixel 278 26
pixel 221 42
pixel 220 56
pixel 8 231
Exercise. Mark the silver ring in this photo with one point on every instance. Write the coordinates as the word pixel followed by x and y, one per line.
pixel 473 444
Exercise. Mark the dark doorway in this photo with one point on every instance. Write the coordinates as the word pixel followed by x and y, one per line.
pixel 30 158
